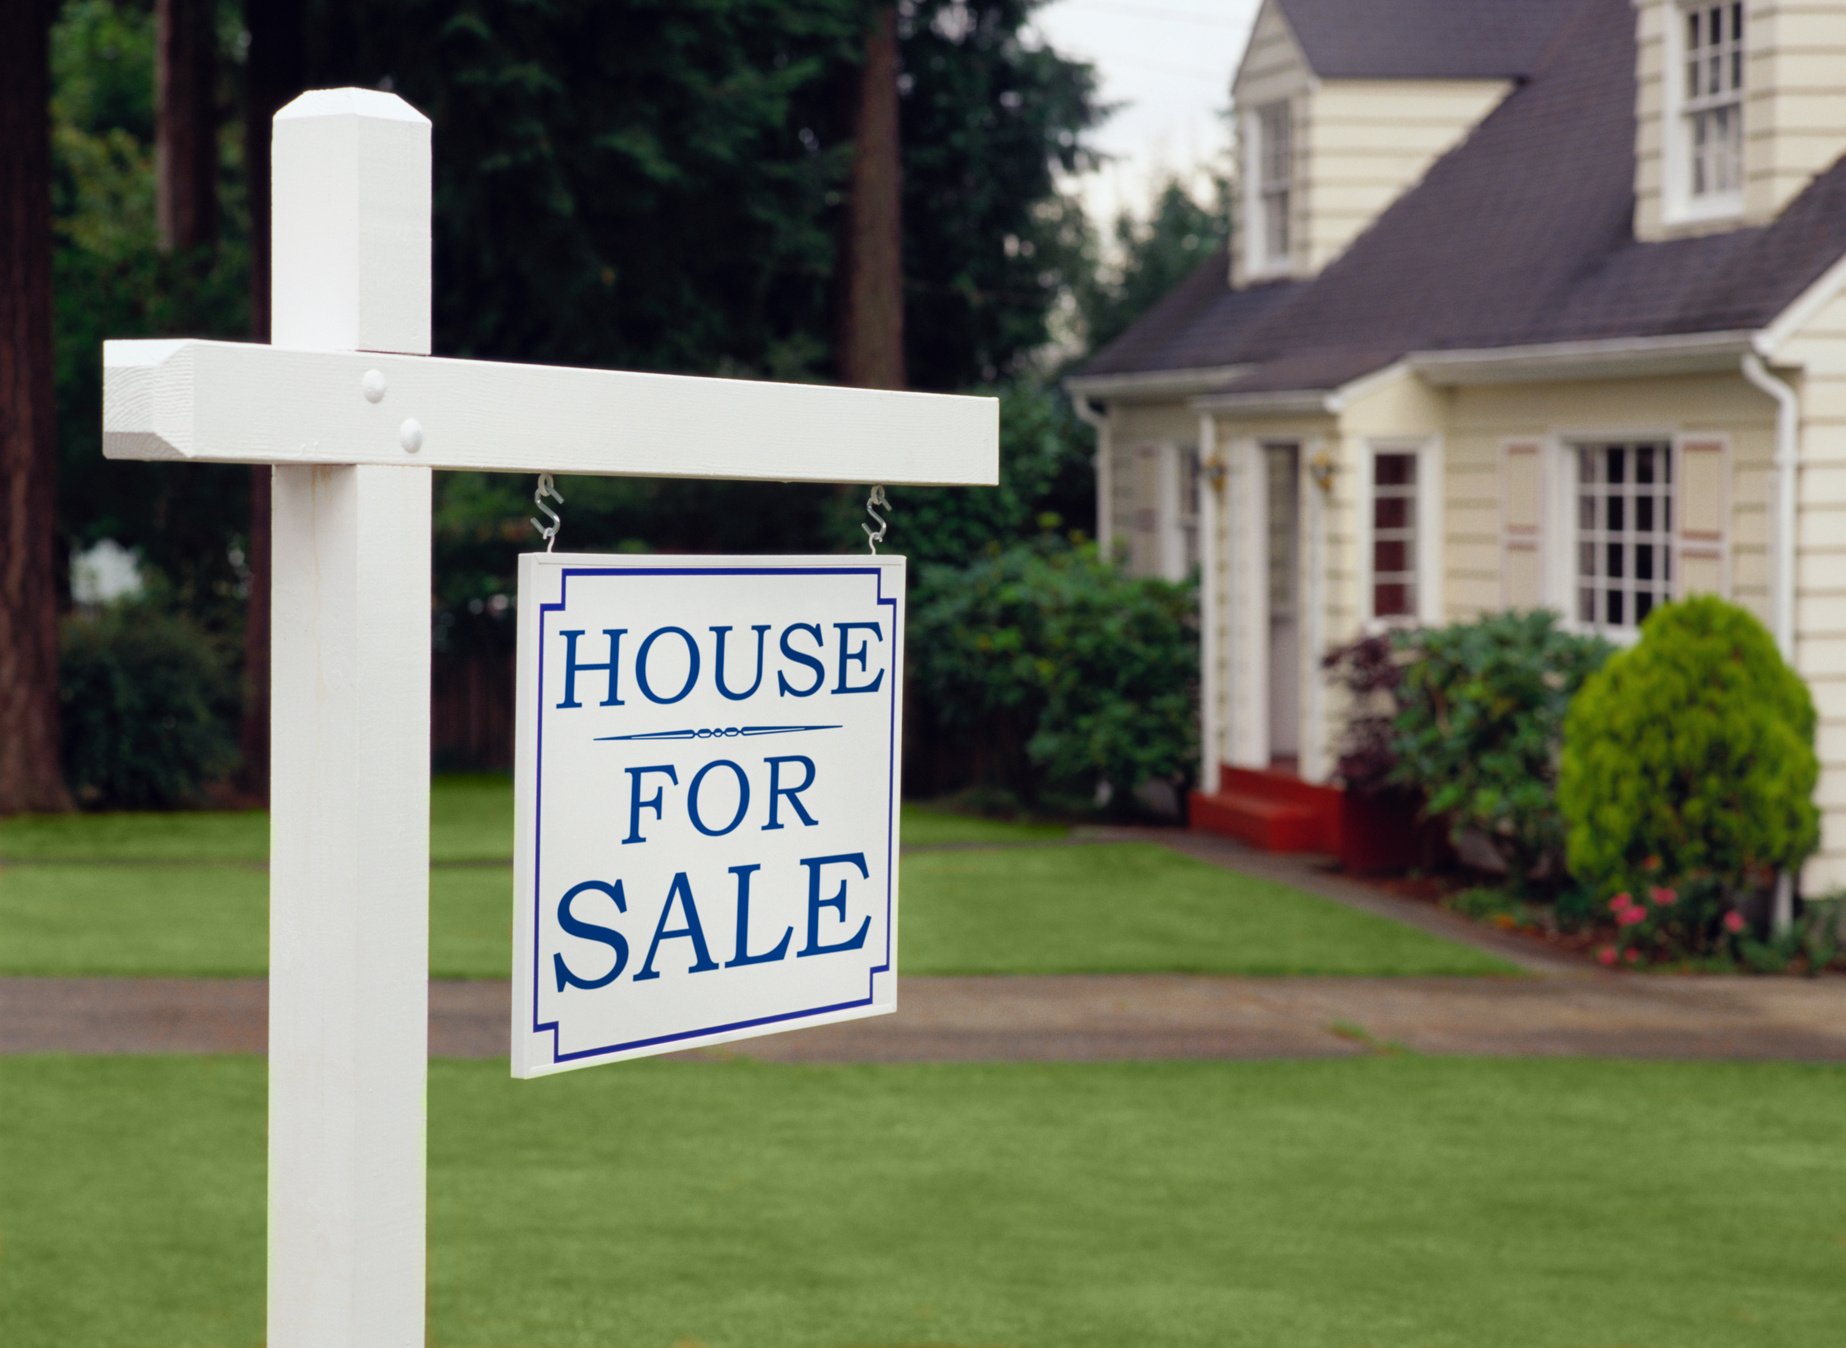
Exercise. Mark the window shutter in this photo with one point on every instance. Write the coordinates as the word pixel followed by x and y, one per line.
pixel 1144 547
pixel 1522 518
pixel 1702 505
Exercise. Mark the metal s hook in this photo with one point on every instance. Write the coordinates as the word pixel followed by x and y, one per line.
pixel 873 537
pixel 546 488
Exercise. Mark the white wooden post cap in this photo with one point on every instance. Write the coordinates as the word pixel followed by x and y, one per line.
pixel 351 213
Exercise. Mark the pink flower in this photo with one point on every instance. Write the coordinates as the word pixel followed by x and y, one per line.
pixel 1632 956
pixel 1662 896
pixel 1733 922
pixel 1606 955
pixel 1629 916
pixel 1620 903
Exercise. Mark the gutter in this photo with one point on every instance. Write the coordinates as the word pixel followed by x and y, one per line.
pixel 1787 463
pixel 1681 353
pixel 1319 402
pixel 1152 383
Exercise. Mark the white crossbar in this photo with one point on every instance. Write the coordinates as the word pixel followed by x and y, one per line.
pixel 232 402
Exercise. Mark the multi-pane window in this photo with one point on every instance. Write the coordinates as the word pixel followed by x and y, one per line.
pixel 1394 536
pixel 1713 99
pixel 1624 533
pixel 1188 509
pixel 1275 171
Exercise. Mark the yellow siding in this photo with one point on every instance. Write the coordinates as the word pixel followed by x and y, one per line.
pixel 1366 142
pixel 1819 349
pixel 1132 426
pixel 1794 112
pixel 1685 407
pixel 1169 422
pixel 1650 114
pixel 1795 117
pixel 1272 66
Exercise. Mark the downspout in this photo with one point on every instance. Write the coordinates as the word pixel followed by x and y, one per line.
pixel 1787 464
pixel 1105 486
pixel 1787 460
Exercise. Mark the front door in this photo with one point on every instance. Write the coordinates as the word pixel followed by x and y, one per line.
pixel 1282 500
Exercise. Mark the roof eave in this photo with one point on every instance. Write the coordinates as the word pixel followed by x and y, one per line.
pixel 1623 357
pixel 1151 383
pixel 1320 402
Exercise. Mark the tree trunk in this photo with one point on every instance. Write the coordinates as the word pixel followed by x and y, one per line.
pixel 31 777
pixel 871 313
pixel 185 123
pixel 275 73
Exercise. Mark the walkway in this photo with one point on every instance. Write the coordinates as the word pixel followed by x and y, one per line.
pixel 1058 1018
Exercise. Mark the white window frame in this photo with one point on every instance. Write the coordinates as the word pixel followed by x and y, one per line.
pixel 1563 574
pixel 1681 110
pixel 1426 527
pixel 1262 260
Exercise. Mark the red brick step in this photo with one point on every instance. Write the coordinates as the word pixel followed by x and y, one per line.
pixel 1274 811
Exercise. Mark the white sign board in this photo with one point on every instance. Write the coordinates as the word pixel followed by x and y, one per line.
pixel 707 800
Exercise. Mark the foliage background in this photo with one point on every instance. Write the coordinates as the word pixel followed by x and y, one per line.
pixel 650 185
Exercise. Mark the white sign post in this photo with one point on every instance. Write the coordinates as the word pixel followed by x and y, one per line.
pixel 353 413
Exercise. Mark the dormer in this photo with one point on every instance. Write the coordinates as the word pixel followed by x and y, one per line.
pixel 1341 106
pixel 1738 105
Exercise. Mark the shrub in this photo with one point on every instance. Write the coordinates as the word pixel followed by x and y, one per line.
pixel 1480 720
pixel 1690 758
pixel 1655 921
pixel 146 701
pixel 1371 670
pixel 1061 669
pixel 1485 903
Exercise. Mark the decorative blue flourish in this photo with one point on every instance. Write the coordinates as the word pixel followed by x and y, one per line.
pixel 718 732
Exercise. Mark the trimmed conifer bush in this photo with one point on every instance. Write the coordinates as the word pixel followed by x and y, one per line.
pixel 1689 758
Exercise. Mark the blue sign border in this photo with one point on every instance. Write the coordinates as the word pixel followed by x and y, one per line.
pixel 538 799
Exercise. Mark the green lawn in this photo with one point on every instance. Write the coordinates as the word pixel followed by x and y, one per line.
pixel 185 894
pixel 1137 907
pixel 1387 1201
pixel 1094 908
pixel 471 819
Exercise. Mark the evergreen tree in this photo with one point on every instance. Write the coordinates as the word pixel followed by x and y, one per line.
pixel 990 245
pixel 1153 255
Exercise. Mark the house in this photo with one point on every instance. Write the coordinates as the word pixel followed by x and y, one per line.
pixel 1529 303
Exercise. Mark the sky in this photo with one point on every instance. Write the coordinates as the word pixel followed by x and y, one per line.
pixel 1168 64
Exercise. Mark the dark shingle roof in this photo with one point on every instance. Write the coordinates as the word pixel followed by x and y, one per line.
pixel 1521 235
pixel 1191 327
pixel 1423 39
